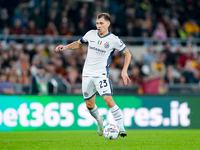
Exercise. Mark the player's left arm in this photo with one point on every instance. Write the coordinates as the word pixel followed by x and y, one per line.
pixel 127 61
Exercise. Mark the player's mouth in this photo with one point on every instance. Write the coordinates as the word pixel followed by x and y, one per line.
pixel 99 30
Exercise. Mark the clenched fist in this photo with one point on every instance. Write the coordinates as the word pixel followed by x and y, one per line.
pixel 60 48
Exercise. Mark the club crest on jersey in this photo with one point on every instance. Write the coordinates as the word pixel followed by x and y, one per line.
pixel 106 45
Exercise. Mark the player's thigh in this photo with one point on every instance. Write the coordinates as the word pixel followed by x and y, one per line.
pixel 88 87
pixel 103 86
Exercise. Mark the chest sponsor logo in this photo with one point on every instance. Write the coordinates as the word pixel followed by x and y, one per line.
pixel 97 50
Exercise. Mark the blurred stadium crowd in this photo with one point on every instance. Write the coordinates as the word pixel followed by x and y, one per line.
pixel 141 18
pixel 41 67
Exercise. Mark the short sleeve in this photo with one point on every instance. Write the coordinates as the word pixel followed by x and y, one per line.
pixel 119 45
pixel 84 39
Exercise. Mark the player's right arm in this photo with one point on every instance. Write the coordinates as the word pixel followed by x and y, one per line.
pixel 72 46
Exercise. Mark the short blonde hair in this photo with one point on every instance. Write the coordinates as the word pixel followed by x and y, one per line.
pixel 106 16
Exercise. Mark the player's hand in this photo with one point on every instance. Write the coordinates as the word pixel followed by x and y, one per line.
pixel 60 48
pixel 125 78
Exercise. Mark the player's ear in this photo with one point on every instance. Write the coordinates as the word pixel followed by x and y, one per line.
pixel 108 23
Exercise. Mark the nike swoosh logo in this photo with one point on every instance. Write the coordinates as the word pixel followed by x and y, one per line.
pixel 105 91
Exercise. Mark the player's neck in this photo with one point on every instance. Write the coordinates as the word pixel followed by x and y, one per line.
pixel 103 34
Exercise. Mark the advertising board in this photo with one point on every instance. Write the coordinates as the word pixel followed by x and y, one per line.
pixel 31 113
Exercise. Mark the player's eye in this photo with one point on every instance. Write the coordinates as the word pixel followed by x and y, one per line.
pixel 99 23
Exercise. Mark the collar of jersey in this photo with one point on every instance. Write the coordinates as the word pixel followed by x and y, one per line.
pixel 104 35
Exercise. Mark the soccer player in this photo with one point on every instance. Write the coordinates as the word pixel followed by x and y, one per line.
pixel 95 77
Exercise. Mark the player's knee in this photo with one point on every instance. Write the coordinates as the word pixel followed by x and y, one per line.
pixel 90 106
pixel 109 101
pixel 109 104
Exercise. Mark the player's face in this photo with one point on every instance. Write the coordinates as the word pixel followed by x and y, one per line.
pixel 102 26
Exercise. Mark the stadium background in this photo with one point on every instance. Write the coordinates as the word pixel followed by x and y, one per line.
pixel 162 35
pixel 41 89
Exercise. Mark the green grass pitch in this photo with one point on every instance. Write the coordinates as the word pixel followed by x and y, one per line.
pixel 89 140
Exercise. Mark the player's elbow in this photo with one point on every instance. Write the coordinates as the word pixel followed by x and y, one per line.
pixel 128 54
pixel 79 44
pixel 75 45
